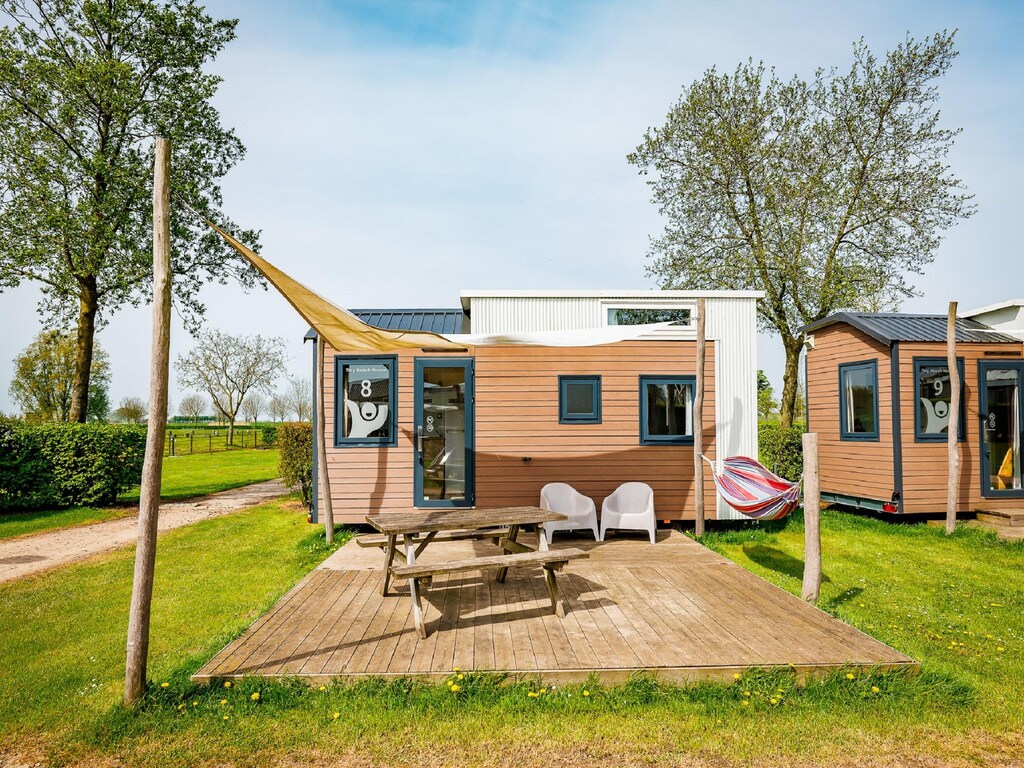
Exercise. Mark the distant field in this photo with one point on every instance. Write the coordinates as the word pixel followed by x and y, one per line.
pixel 183 477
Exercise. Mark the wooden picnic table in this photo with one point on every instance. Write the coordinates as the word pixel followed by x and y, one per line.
pixel 418 529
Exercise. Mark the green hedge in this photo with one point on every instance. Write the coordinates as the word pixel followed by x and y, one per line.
pixel 60 465
pixel 296 441
pixel 269 436
pixel 781 450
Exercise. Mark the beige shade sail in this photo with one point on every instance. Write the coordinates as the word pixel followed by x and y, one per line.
pixel 338 327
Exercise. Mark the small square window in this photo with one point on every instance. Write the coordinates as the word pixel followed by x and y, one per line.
pixel 579 399
pixel 666 409
pixel 858 401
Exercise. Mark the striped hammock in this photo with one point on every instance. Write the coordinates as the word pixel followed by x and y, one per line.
pixel 752 490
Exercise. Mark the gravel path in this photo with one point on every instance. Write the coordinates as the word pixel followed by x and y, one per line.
pixel 39 552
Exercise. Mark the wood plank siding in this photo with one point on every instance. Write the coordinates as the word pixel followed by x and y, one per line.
pixel 865 470
pixel 862 469
pixel 924 464
pixel 516 416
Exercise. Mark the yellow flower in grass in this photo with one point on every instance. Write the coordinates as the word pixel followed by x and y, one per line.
pixel 736 676
pixel 226 717
pixel 336 715
pixel 223 702
pixel 747 694
pixel 774 701
pixel 195 703
pixel 746 702
pixel 532 694
pixel 874 689
pixel 460 675
pixel 323 687
pixel 164 685
pixel 1000 648
pixel 227 683
pixel 255 696
pixel 849 675
pixel 586 692
pixel 456 688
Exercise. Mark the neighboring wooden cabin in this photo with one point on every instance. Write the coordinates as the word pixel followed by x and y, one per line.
pixel 490 427
pixel 878 396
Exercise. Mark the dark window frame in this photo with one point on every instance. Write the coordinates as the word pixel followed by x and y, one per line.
pixel 647 439
pixel 564 417
pixel 930 437
pixel 862 437
pixel 362 442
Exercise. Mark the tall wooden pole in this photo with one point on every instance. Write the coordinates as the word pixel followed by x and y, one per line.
pixel 812 519
pixel 698 424
pixel 321 444
pixel 952 432
pixel 149 495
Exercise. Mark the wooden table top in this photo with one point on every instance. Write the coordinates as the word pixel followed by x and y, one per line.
pixel 399 523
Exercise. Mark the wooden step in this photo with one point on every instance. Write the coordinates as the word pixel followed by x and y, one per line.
pixel 1012 518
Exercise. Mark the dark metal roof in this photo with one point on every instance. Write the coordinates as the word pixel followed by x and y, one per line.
pixel 888 327
pixel 432 320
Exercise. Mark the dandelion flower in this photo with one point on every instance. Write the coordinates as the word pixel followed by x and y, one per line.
pixel 255 696
pixel 323 687
pixel 543 690
pixel 460 675
pixel 227 683
pixel 226 717
pixel 849 675
pixel 336 715
pixel 736 676
pixel 747 694
pixel 775 701
pixel 456 688
pixel 532 694
pixel 223 702
pixel 1000 648
pixel 586 692
pixel 746 703
pixel 874 689
pixel 164 685
pixel 195 703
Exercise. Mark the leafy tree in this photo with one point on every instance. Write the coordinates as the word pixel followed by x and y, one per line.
pixel 766 402
pixel 44 377
pixel 132 410
pixel 279 408
pixel 228 367
pixel 84 87
pixel 253 405
pixel 193 406
pixel 300 398
pixel 823 194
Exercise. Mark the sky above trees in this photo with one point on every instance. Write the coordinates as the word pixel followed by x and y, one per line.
pixel 398 153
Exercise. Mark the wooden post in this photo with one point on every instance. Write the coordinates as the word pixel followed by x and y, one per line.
pixel 149 495
pixel 952 432
pixel 698 425
pixel 812 519
pixel 321 444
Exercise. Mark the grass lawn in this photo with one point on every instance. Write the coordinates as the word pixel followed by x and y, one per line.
pixel 954 603
pixel 183 476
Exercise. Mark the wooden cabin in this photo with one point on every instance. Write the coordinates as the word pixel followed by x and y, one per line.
pixel 490 427
pixel 878 396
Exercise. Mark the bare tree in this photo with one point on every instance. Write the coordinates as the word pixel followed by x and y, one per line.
pixel 253 405
pixel 132 410
pixel 279 408
pixel 193 406
pixel 228 367
pixel 300 398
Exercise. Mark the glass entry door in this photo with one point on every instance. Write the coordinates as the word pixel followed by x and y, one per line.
pixel 443 468
pixel 1001 406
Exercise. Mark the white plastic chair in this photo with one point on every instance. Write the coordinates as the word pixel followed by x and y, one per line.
pixel 580 509
pixel 630 506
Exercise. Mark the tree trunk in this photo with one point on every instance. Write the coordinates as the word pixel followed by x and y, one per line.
pixel 790 383
pixel 88 306
pixel 952 436
pixel 698 424
pixel 231 431
pixel 812 520
pixel 149 495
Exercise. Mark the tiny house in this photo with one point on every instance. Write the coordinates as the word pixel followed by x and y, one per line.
pixel 488 427
pixel 878 396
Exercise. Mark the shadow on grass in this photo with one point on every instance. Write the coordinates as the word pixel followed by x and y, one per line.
pixel 776 560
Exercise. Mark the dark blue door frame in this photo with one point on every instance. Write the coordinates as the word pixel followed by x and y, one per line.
pixel 984 366
pixel 469 492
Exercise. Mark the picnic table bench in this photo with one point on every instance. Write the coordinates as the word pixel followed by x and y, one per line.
pixel 502 526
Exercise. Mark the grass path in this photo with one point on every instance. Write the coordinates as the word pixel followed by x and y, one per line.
pixel 953 603
pixel 183 477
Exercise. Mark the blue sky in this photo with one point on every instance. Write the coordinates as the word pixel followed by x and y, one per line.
pixel 401 152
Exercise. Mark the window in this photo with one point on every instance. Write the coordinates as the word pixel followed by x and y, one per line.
pixel 647 315
pixel 932 395
pixel 365 401
pixel 666 409
pixel 858 401
pixel 579 399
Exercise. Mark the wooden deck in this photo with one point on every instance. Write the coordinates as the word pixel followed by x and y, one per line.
pixel 674 609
